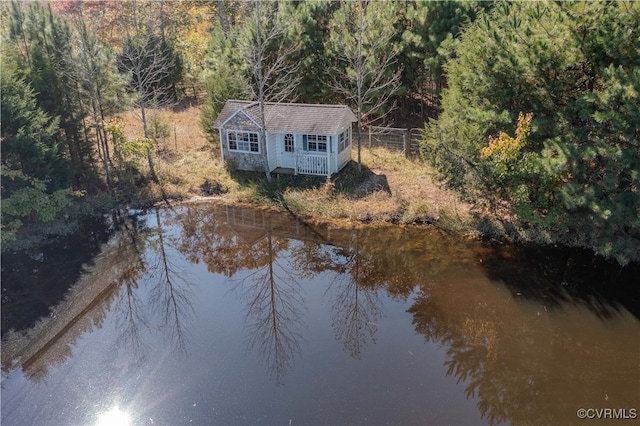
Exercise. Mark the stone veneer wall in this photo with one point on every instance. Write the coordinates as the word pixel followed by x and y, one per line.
pixel 242 160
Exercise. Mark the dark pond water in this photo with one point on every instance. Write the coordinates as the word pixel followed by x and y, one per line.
pixel 207 314
pixel 35 279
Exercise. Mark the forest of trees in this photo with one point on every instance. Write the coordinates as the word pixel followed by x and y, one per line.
pixel 530 106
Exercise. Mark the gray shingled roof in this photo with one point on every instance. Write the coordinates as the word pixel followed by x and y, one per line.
pixel 295 118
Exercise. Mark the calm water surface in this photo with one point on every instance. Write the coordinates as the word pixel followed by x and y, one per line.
pixel 206 314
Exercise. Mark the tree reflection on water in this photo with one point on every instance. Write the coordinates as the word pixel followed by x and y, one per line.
pixel 527 361
pixel 354 298
pixel 243 245
pixel 130 308
pixel 135 257
pixel 275 305
pixel 168 307
pixel 172 291
pixel 523 338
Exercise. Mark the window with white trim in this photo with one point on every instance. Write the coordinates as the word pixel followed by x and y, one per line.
pixel 344 139
pixel 288 143
pixel 243 141
pixel 315 143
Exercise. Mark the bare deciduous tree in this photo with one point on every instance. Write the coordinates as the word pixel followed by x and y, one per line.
pixel 361 40
pixel 145 60
pixel 268 56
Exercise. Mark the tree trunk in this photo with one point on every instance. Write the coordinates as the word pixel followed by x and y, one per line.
pixel 359 143
pixel 222 14
pixel 260 79
pixel 145 128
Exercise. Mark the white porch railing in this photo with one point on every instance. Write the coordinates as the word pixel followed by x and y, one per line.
pixel 312 164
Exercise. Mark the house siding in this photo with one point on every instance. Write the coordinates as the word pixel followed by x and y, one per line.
pixel 333 149
pixel 273 150
pixel 297 119
pixel 344 157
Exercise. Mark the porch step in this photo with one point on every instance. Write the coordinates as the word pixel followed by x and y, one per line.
pixel 284 171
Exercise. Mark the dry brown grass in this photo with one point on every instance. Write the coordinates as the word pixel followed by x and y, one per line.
pixel 185 133
pixel 391 188
pixel 187 165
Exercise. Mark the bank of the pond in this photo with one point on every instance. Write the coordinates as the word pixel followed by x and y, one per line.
pixel 389 188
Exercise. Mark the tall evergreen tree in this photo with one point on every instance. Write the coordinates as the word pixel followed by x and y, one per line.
pixel 311 20
pixel 43 44
pixel 224 76
pixel 35 173
pixel 99 84
pixel 574 177
pixel 428 28
pixel 31 140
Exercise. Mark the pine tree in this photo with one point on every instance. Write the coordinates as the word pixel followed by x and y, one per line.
pixel 31 141
pixel 311 26
pixel 42 44
pixel 99 85
pixel 35 173
pixel 224 76
pixel 428 31
pixel 573 66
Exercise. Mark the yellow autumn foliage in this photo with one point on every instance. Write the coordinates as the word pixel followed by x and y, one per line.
pixel 505 149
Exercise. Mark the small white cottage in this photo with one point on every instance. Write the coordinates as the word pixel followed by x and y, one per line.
pixel 300 138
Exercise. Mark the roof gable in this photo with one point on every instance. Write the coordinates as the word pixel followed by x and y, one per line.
pixel 230 110
pixel 291 117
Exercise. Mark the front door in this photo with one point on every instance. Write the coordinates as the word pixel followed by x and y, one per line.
pixel 288 151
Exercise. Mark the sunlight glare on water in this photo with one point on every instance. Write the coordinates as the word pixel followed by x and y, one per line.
pixel 114 417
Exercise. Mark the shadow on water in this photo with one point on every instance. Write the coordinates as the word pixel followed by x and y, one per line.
pixel 534 355
pixel 138 255
pixel 559 276
pixel 34 280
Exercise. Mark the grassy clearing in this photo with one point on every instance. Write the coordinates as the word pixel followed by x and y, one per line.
pixel 389 188
pixel 187 165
